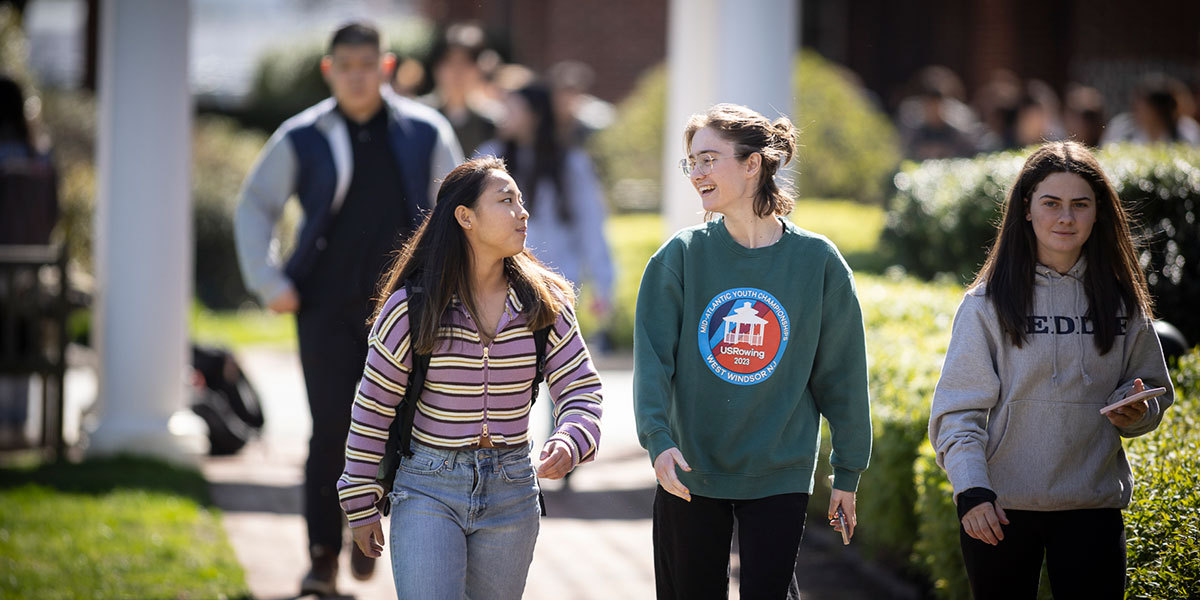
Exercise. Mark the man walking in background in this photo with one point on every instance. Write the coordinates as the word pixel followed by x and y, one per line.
pixel 363 165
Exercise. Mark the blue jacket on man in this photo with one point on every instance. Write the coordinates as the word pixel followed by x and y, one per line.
pixel 310 156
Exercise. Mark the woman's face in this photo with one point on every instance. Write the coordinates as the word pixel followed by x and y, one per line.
pixel 1062 210
pixel 719 176
pixel 496 226
pixel 519 121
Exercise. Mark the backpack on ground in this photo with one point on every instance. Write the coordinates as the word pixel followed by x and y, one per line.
pixel 225 399
pixel 399 440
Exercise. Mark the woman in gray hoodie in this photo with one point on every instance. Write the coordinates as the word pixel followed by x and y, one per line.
pixel 1056 326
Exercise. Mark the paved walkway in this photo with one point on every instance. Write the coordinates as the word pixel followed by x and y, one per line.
pixel 606 510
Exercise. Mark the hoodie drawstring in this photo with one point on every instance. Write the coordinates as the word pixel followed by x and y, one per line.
pixel 1087 379
pixel 1053 305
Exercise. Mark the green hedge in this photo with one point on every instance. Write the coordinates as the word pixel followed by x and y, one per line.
pixel 222 155
pixel 908 325
pixel 848 147
pixel 943 215
pixel 1163 519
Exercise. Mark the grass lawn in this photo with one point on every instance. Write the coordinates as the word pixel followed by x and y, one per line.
pixel 113 528
pixel 853 227
pixel 238 328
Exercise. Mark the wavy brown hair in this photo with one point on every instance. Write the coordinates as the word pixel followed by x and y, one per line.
pixel 752 133
pixel 1113 279
pixel 437 259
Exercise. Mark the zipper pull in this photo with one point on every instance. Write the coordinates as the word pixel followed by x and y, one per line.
pixel 485 355
pixel 485 430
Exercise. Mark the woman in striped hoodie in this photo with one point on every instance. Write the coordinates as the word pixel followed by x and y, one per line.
pixel 465 503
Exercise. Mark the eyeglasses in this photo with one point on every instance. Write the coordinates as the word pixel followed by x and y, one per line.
pixel 704 165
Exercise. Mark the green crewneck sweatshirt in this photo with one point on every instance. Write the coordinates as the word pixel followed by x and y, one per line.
pixel 739 351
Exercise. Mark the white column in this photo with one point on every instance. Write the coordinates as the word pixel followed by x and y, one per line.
pixel 738 51
pixel 143 240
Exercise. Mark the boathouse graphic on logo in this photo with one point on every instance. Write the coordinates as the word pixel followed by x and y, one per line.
pixel 742 335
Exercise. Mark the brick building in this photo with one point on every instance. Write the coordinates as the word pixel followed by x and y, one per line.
pixel 1105 43
pixel 619 38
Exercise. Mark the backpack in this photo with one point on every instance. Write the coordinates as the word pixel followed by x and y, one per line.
pixel 225 399
pixel 400 433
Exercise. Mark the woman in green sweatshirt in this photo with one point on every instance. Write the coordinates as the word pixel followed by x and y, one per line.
pixel 1055 328
pixel 748 330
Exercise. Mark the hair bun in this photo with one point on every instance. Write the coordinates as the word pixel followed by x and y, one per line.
pixel 784 137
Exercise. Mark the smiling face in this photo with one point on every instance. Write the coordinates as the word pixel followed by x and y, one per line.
pixel 1062 209
pixel 728 181
pixel 496 226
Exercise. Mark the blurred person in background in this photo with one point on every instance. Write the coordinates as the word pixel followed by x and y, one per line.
pixel 1158 114
pixel 363 164
pixel 410 76
pixel 1017 114
pixel 578 113
pixel 1083 116
pixel 28 213
pixel 457 79
pixel 567 211
pixel 934 122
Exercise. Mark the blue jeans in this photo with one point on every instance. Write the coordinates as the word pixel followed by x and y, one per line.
pixel 463 523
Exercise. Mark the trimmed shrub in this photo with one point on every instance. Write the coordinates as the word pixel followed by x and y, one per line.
pixel 849 147
pixel 936 551
pixel 899 313
pixel 222 156
pixel 943 217
pixel 1163 520
pixel 628 153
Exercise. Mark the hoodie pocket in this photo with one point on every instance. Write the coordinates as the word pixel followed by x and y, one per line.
pixel 1058 456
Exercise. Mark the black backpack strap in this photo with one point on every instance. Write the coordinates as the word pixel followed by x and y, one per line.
pixel 541 338
pixel 399 442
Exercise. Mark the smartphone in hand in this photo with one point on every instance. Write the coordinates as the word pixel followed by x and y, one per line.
pixel 840 517
pixel 1145 394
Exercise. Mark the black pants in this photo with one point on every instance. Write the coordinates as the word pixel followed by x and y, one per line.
pixel 1084 552
pixel 333 350
pixel 692 544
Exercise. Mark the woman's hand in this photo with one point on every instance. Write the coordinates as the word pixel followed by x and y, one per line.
pixel 556 460
pixel 983 523
pixel 369 539
pixel 1131 413
pixel 664 470
pixel 845 500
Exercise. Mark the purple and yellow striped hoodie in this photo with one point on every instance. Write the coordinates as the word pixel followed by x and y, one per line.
pixel 467 387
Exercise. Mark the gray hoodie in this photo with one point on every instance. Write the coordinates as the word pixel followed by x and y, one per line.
pixel 1025 422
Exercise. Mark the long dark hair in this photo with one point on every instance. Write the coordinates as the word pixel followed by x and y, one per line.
pixel 13 125
pixel 549 155
pixel 1112 281
pixel 437 258
pixel 750 132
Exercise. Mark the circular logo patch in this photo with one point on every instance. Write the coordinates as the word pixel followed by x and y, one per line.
pixel 742 335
